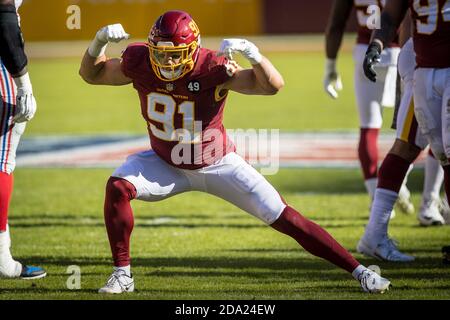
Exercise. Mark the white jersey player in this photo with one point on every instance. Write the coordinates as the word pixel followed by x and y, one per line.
pixel 371 97
pixel 431 88
pixel 17 105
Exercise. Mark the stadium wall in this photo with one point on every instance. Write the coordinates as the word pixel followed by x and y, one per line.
pixel 46 20
pixel 55 20
pixel 301 16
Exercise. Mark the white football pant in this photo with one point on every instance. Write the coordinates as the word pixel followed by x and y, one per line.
pixel 371 97
pixel 230 178
pixel 407 126
pixel 432 109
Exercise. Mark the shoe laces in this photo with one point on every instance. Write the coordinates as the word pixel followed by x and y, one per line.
pixel 115 277
pixel 393 251
pixel 364 277
pixel 392 243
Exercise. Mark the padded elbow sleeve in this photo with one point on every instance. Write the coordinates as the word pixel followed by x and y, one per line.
pixel 11 40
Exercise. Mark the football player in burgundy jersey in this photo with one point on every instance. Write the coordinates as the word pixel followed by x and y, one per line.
pixel 182 89
pixel 431 89
pixel 370 97
pixel 17 105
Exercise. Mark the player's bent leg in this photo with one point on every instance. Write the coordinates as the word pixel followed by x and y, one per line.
pixel 119 219
pixel 143 176
pixel 119 223
pixel 375 241
pixel 237 182
pixel 320 243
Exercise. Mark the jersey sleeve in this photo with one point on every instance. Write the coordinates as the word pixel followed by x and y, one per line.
pixel 222 69
pixel 132 59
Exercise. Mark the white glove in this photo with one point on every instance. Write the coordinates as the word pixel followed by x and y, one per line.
pixel 244 47
pixel 110 33
pixel 25 102
pixel 332 81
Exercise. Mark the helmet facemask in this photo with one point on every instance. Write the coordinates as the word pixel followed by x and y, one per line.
pixel 170 62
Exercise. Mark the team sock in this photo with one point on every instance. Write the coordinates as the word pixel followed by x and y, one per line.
pixel 447 181
pixel 371 185
pixel 357 272
pixel 314 239
pixel 126 269
pixel 6 186
pixel 434 176
pixel 380 214
pixel 119 218
pixel 368 152
pixel 390 178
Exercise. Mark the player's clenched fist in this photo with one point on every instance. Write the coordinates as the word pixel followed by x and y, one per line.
pixel 251 52
pixel 332 81
pixel 110 33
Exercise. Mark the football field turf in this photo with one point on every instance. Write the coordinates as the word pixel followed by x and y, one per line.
pixel 194 246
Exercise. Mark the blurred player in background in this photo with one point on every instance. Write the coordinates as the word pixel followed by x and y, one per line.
pixel 182 89
pixel 431 88
pixel 17 106
pixel 407 147
pixel 370 97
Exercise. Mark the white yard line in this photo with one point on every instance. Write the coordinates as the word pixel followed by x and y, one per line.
pixel 295 150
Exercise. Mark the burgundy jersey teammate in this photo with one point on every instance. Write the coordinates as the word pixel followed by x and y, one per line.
pixel 431 89
pixel 371 97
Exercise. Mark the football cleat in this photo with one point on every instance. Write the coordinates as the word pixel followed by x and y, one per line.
pixel 14 269
pixel 386 250
pixel 404 203
pixel 31 273
pixel 372 282
pixel 429 214
pixel 118 282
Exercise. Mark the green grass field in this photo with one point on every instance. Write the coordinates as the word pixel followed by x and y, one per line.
pixel 194 246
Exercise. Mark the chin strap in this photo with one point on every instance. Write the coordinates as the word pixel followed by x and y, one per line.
pixel 169 74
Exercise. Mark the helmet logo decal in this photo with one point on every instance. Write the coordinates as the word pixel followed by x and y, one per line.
pixel 194 28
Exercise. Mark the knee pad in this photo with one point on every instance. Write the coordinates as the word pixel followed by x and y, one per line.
pixel 119 189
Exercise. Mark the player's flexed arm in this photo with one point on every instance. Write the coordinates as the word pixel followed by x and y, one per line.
pixel 96 68
pixel 391 18
pixel 262 79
